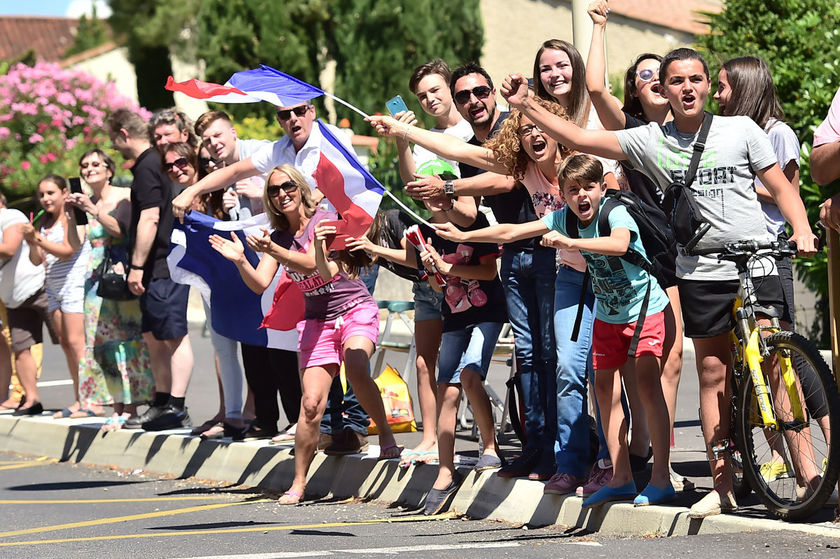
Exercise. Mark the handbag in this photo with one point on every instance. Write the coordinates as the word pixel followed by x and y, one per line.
pixel 679 205
pixel 113 279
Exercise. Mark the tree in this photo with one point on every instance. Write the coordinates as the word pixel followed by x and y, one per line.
pixel 800 41
pixel 90 33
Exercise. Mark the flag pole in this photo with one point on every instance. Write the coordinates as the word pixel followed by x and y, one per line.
pixel 346 104
pixel 408 210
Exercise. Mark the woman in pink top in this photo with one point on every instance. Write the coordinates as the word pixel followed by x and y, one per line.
pixel 341 319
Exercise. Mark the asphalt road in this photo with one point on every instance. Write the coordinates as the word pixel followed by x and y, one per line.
pixel 59 510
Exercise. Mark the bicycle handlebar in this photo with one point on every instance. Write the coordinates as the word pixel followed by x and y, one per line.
pixel 780 249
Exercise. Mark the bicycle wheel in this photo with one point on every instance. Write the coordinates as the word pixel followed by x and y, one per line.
pixel 794 470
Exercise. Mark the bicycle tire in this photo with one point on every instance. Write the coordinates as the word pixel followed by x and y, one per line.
pixel 785 496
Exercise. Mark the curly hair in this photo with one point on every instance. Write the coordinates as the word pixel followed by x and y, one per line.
pixel 507 145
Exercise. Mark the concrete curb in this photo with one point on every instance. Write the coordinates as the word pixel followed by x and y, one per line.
pixel 272 467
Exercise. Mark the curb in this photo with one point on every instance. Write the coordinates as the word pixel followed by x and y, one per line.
pixel 271 467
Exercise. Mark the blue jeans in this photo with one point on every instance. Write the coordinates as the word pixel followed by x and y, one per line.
pixel 528 279
pixel 574 359
pixel 343 411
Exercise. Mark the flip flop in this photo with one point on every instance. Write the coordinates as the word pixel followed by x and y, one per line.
pixel 85 412
pixel 206 426
pixel 113 423
pixel 63 414
pixel 390 452
pixel 294 498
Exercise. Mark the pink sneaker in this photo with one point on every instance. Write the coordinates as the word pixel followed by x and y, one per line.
pixel 562 484
pixel 598 477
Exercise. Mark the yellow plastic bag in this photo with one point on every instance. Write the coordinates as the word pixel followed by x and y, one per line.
pixel 397 402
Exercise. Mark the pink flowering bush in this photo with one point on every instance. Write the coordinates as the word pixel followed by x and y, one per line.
pixel 49 116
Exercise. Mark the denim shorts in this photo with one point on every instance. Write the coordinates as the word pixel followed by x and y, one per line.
pixel 427 302
pixel 472 347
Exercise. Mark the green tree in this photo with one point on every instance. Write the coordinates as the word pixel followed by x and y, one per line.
pixel 90 33
pixel 800 41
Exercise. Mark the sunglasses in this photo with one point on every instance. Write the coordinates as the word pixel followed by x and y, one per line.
pixel 206 161
pixel 181 163
pixel 526 129
pixel 93 164
pixel 647 74
pixel 480 92
pixel 273 190
pixel 286 114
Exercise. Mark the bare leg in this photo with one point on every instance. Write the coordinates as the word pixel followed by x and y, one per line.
pixel 161 362
pixel 448 397
pixel 27 371
pixel 5 372
pixel 357 352
pixel 672 354
pixel 608 392
pixel 427 335
pixel 650 393
pixel 713 365
pixel 182 365
pixel 474 387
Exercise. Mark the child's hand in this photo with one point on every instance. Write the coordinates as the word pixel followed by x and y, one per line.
pixel 431 260
pixel 554 239
pixel 232 248
pixel 362 243
pixel 260 244
pixel 449 232
pixel 29 232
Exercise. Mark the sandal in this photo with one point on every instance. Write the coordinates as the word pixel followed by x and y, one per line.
pixel 63 414
pixel 215 431
pixel 290 498
pixel 204 427
pixel 390 452
pixel 286 436
pixel 85 413
pixel 114 423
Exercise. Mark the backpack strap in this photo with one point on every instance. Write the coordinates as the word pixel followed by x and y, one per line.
pixel 699 147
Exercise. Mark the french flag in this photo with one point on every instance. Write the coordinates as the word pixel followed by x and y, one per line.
pixel 238 313
pixel 250 86
pixel 348 186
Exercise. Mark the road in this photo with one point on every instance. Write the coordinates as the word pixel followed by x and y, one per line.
pixel 59 510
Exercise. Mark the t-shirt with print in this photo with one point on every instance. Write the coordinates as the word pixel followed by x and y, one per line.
pixel 618 285
pixel 324 300
pixel 469 302
pixel 152 189
pixel 723 187
pixel 786 147
pixel 462 131
pixel 20 279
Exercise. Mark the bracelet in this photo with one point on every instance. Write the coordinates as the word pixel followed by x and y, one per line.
pixel 451 205
pixel 134 267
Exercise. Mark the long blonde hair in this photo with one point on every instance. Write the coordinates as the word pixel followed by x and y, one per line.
pixel 275 217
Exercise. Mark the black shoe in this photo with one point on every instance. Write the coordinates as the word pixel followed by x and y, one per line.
pixel 170 418
pixel 639 463
pixel 137 421
pixel 436 498
pixel 235 433
pixel 348 442
pixel 257 431
pixel 34 409
pixel 522 466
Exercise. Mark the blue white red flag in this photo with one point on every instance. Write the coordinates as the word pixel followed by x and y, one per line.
pixel 236 312
pixel 250 86
pixel 345 182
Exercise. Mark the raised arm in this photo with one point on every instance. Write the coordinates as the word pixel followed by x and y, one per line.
pixel 602 143
pixel 609 113
pixel 501 233
pixel 484 270
pixel 444 145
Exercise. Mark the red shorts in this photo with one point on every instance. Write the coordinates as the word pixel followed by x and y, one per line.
pixel 610 342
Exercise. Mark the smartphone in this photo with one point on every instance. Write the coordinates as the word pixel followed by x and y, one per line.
pixel 76 188
pixel 396 105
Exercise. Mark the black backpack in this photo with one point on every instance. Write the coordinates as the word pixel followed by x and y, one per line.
pixel 656 237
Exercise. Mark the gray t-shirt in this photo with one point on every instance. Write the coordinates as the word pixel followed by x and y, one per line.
pixel 724 186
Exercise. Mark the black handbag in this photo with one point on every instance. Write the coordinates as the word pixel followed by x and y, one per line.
pixel 679 205
pixel 113 279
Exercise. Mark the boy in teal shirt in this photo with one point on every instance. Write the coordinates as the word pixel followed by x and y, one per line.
pixel 620 288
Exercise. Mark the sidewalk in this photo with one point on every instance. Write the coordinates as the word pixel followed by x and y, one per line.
pixel 257 463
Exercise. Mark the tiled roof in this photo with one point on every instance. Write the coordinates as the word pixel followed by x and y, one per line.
pixel 49 37
pixel 682 15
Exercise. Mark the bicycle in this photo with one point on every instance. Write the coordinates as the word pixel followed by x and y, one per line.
pixel 785 401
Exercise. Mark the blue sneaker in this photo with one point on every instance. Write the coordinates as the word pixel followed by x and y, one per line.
pixel 652 495
pixel 607 493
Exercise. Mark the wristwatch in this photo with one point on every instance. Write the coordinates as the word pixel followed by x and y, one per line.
pixel 449 188
pixel 135 267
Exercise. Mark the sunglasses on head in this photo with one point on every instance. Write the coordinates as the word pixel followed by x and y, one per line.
pixel 273 190
pixel 181 163
pixel 286 114
pixel 480 92
pixel 646 75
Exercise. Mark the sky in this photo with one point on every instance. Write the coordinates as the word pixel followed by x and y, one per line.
pixel 66 8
